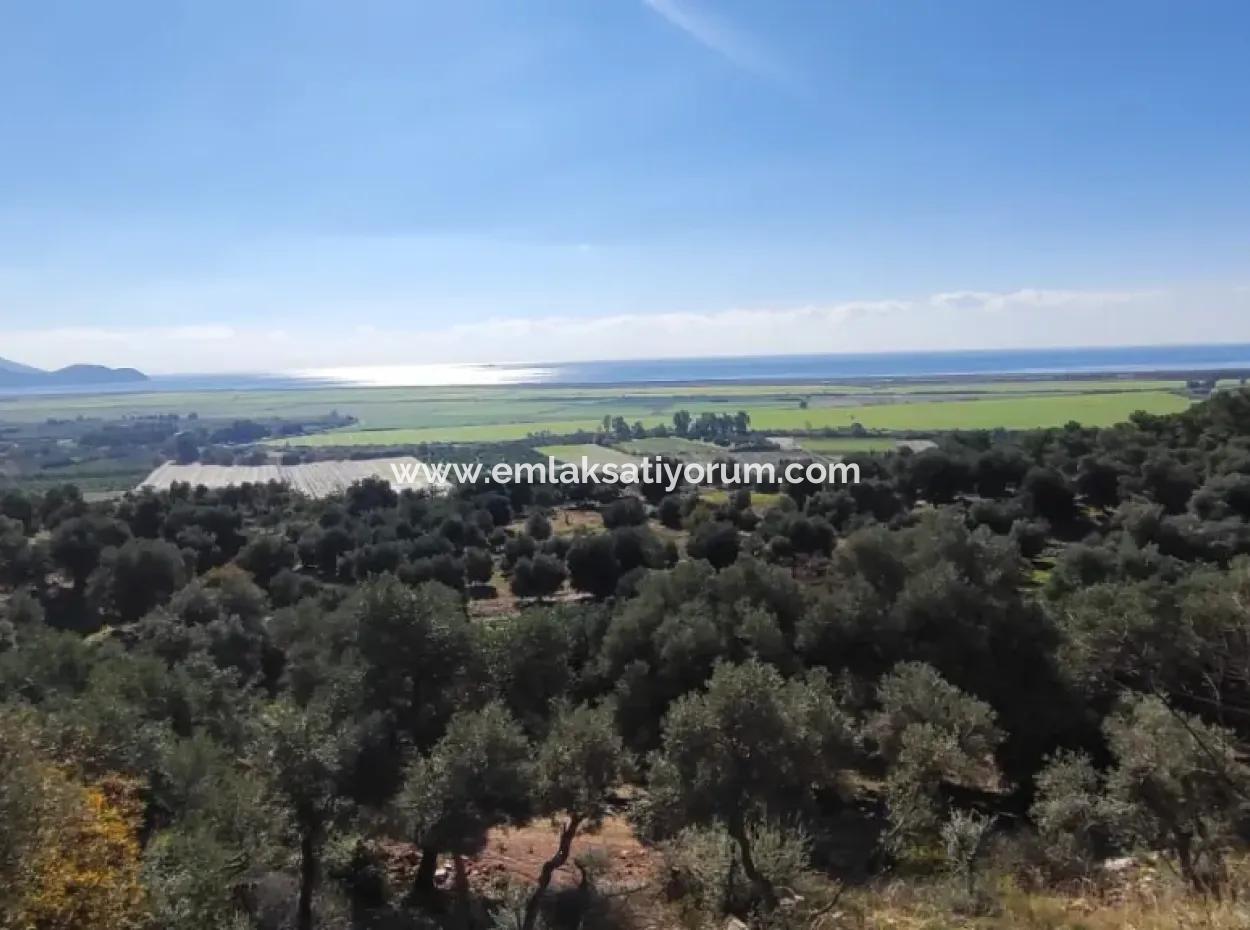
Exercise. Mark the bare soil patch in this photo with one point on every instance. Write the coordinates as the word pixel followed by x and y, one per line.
pixel 517 855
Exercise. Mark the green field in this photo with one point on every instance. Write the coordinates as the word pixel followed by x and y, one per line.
pixel 836 445
pixel 1054 386
pixel 375 408
pixel 488 432
pixel 393 408
pixel 591 452
pixel 405 416
pixel 1007 413
pixel 760 500
pixel 1027 412
pixel 674 447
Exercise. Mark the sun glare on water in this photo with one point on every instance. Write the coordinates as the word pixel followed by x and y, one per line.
pixel 425 375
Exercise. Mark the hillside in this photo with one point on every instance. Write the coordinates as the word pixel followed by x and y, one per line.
pixel 8 367
pixel 996 684
pixel 13 374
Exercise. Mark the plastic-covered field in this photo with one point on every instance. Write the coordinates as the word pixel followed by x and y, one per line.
pixel 315 479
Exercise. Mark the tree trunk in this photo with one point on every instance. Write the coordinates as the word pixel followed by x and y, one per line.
pixel 307 881
pixel 462 892
pixel 423 886
pixel 1200 883
pixel 738 832
pixel 1187 863
pixel 549 869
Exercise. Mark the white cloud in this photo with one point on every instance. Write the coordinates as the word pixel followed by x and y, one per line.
pixel 720 37
pixel 954 320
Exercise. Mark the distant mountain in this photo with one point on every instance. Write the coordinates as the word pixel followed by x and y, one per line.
pixel 7 366
pixel 95 374
pixel 13 374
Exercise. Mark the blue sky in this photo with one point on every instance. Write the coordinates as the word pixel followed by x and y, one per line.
pixel 217 186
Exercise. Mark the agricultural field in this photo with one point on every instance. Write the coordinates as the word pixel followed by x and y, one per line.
pixel 396 408
pixel 492 432
pixel 845 445
pixel 1099 409
pixel 314 479
pixel 673 447
pixel 413 416
pixel 591 452
pixel 1039 386
pixel 898 412
pixel 108 456
pixel 760 500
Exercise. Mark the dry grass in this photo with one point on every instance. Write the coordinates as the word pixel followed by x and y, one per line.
pixel 520 852
pixel 1147 896
pixel 1145 900
pixel 568 522
pixel 760 500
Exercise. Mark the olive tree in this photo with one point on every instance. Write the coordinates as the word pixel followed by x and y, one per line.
pixel 752 746
pixel 929 733
pixel 416 646
pixel 305 754
pixel 475 778
pixel 1178 785
pixel 130 581
pixel 578 765
pixel 1070 812
pixel 538 577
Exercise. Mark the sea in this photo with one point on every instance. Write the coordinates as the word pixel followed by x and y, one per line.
pixel 1231 359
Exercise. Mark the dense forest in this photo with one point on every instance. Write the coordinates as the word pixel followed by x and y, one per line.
pixel 988 669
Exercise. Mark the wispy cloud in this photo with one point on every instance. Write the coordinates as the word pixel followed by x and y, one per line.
pixel 719 36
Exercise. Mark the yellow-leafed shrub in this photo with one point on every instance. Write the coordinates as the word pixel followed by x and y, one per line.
pixel 71 859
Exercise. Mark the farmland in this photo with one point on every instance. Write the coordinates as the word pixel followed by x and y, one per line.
pixel 41 433
pixel 592 452
pixel 488 432
pixel 1001 412
pixel 845 445
pixel 673 447
pixel 760 500
pixel 315 479
pixel 902 412
pixel 528 406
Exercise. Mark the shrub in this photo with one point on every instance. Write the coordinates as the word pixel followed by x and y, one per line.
pixel 1070 814
pixel 706 869
pixel 538 526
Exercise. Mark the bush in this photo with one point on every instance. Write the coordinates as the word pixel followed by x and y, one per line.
pixel 23 609
pixel 1070 814
pixel 593 566
pixel 140 575
pixel 628 511
pixel 669 512
pixel 706 869
pixel 265 556
pixel 538 577
pixel 715 541
pixel 517 548
pixel 538 526
pixel 965 840
pixel 289 587
pixel 478 566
